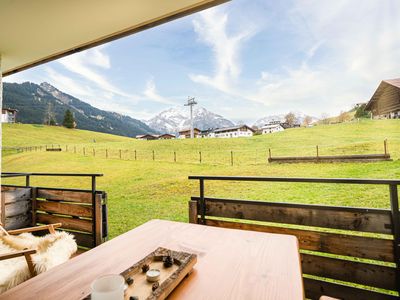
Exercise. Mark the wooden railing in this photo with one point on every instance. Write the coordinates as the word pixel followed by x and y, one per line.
pixel 81 212
pixel 337 260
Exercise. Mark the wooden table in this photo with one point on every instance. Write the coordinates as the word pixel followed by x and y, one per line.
pixel 232 264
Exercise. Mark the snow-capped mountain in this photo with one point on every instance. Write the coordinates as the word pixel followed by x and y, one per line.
pixel 300 116
pixel 177 118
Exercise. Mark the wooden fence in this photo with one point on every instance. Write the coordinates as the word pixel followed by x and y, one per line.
pixel 346 252
pixel 81 212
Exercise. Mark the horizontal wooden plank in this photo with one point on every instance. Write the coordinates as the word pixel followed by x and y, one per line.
pixel 65 208
pixel 65 195
pixel 17 208
pixel 67 223
pixel 83 239
pixel 368 220
pixel 314 289
pixel 351 271
pixel 19 221
pixel 341 244
pixel 13 195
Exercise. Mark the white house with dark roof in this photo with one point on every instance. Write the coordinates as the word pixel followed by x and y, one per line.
pixel 234 132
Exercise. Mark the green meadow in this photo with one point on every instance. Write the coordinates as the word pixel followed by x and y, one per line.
pixel 143 189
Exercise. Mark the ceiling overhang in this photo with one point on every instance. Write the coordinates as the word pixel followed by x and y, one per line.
pixel 36 32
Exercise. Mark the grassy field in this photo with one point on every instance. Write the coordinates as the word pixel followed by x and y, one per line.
pixel 144 189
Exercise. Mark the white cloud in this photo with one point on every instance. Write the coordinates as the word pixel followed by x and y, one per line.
pixel 87 65
pixel 212 29
pixel 152 94
pixel 342 48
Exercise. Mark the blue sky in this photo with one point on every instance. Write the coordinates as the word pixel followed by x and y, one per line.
pixel 244 60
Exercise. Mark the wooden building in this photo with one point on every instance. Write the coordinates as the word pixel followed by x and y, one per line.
pixel 147 137
pixel 385 102
pixel 166 136
pixel 185 134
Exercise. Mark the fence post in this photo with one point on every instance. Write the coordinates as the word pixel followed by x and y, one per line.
pixel 84 151
pixel 94 152
pixel 200 156
pixel 231 158
pixel 174 156
pixel 317 152
pixel 106 153
pixel 135 155
pixel 120 154
pixel 153 155
pixel 385 146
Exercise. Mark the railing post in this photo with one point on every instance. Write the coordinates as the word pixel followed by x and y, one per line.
pixel 202 203
pixel 27 180
pixel 94 210
pixel 394 205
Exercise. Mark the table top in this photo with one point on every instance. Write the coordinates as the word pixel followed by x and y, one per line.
pixel 231 264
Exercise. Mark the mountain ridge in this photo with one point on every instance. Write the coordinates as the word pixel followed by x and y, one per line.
pixel 33 99
pixel 177 118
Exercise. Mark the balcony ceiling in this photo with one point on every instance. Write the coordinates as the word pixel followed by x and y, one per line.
pixel 35 32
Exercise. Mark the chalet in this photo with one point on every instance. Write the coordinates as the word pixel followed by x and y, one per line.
pixel 271 128
pixel 8 115
pixel 148 137
pixel 235 131
pixel 208 133
pixel 166 136
pixel 385 102
pixel 185 134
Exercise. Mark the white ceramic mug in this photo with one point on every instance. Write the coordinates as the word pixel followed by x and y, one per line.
pixel 108 287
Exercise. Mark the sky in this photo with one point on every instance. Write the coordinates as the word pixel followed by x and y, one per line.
pixel 243 60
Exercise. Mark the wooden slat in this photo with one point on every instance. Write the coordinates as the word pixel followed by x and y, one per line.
pixel 368 220
pixel 98 221
pixel 350 271
pixel 83 239
pixel 67 223
pixel 348 245
pixel 17 208
pixel 193 212
pixel 65 208
pixel 19 221
pixel 65 195
pixel 14 195
pixel 314 289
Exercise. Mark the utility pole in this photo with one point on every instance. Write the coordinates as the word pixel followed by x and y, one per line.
pixel 191 102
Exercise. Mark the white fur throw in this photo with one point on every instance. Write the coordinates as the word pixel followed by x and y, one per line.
pixel 52 250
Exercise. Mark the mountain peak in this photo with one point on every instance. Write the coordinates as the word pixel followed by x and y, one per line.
pixel 177 118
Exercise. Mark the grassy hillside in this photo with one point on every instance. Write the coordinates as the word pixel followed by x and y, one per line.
pixel 30 135
pixel 142 190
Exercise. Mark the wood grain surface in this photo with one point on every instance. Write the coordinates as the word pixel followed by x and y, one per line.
pixel 232 264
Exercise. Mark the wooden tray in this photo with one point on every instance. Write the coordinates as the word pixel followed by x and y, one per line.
pixel 169 277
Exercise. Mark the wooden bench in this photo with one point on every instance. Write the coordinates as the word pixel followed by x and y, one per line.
pixel 347 253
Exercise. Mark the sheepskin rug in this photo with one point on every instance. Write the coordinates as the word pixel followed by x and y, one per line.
pixel 52 250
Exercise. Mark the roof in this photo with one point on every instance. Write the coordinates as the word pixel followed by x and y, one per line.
pixel 188 129
pixel 10 109
pixel 35 32
pixel 271 126
pixel 233 128
pixel 381 88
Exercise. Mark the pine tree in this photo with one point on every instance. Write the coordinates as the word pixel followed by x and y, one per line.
pixel 69 120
